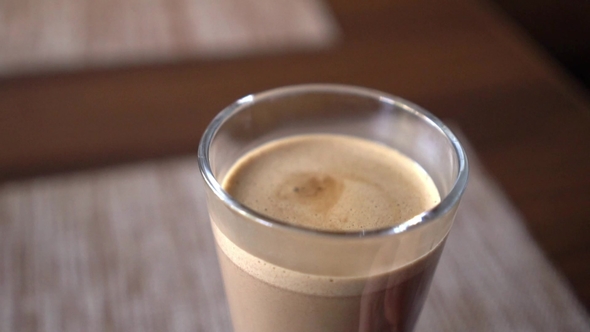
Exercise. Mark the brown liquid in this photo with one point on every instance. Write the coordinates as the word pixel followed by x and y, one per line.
pixel 326 182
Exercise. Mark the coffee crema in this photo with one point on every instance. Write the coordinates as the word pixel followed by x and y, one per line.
pixel 331 182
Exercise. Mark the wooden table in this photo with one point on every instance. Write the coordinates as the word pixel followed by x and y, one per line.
pixel 461 59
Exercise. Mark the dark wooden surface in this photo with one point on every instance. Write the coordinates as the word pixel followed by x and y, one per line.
pixel 562 27
pixel 461 59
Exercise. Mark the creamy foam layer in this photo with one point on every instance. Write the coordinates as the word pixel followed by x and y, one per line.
pixel 318 285
pixel 331 182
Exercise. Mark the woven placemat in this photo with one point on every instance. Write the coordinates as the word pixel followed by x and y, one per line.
pixel 130 249
pixel 38 35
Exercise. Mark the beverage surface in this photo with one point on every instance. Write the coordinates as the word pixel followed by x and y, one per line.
pixel 331 182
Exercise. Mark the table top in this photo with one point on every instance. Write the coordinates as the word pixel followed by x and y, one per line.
pixel 461 59
pixel 130 249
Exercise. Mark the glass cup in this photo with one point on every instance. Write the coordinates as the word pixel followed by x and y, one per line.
pixel 282 277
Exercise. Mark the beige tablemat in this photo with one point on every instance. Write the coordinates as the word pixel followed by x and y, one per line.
pixel 63 34
pixel 130 249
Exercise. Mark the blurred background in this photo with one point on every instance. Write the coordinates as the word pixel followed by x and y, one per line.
pixel 86 85
pixel 560 28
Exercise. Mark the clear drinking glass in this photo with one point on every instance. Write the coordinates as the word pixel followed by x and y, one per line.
pixel 281 277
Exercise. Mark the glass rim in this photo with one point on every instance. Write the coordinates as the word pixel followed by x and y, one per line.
pixel 445 205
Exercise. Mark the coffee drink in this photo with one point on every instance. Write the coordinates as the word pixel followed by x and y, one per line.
pixel 331 183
